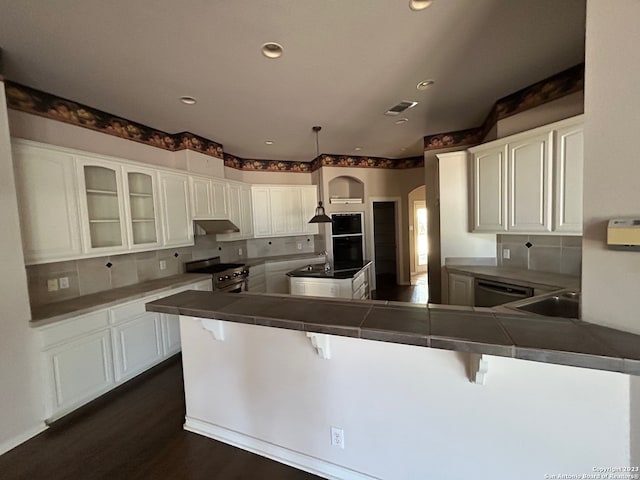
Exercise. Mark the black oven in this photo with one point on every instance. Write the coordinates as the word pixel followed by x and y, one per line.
pixel 346 224
pixel 347 252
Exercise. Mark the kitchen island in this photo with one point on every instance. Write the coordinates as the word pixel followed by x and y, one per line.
pixel 403 382
pixel 318 281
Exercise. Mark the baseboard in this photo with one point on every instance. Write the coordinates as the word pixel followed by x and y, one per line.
pixel 298 460
pixel 23 437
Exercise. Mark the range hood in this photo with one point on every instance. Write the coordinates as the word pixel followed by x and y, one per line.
pixel 214 226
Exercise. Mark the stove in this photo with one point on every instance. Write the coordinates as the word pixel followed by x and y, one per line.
pixel 226 277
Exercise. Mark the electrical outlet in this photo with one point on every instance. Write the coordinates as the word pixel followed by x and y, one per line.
pixel 506 253
pixel 239 251
pixel 299 245
pixel 64 282
pixel 337 437
pixel 163 265
pixel 52 284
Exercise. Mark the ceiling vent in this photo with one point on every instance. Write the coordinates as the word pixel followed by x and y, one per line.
pixel 399 108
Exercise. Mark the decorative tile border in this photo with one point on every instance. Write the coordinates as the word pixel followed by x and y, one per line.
pixel 26 99
pixel 557 86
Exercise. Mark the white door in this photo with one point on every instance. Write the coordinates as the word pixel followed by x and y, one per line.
pixel 201 203
pixel 309 204
pixel 279 211
pixel 142 208
pixel 79 371
pixel 219 208
pixel 489 189
pixel 569 159
pixel 48 202
pixel 137 345
pixel 170 334
pixel 529 194
pixel 176 218
pixel 261 211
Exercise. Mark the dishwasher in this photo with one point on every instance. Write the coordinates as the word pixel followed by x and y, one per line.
pixel 489 293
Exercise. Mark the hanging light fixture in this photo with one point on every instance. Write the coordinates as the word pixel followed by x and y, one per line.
pixel 320 216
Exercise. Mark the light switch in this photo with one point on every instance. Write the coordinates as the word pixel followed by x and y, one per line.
pixel 506 253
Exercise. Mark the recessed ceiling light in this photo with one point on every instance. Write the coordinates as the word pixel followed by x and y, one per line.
pixel 272 50
pixel 357 149
pixel 268 142
pixel 400 121
pixel 423 85
pixel 419 4
pixel 188 100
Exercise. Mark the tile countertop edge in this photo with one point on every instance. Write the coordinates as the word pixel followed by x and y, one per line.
pixel 615 363
pixel 518 276
pixel 67 309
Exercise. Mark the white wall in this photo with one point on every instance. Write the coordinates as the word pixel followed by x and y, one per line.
pixel 611 279
pixel 407 412
pixel 21 410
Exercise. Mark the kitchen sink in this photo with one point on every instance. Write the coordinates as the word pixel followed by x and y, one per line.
pixel 565 305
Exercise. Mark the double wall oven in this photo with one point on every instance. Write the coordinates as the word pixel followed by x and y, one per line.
pixel 226 277
pixel 348 240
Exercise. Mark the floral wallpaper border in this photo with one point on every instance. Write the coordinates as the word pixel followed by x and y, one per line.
pixel 552 88
pixel 30 100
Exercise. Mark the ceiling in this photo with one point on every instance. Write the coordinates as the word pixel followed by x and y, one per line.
pixel 345 63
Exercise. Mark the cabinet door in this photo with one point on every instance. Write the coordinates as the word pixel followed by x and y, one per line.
pixel 102 205
pixel 461 290
pixel 201 203
pixel 279 211
pixel 489 189
pixel 170 334
pixel 78 372
pixel 234 209
pixel 261 211
pixel 569 159
pixel 318 288
pixel 176 218
pixel 219 207
pixel 246 212
pixel 309 203
pixel 47 198
pixel 529 184
pixel 142 208
pixel 137 345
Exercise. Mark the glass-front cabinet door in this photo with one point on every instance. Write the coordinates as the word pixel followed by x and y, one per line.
pixel 101 192
pixel 141 208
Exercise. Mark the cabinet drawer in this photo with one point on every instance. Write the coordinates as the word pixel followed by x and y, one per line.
pixel 130 310
pixel 74 327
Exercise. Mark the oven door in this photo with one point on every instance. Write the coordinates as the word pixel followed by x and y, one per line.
pixel 235 287
pixel 347 252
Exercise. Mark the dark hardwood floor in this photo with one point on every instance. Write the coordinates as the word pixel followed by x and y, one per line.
pixel 388 289
pixel 136 433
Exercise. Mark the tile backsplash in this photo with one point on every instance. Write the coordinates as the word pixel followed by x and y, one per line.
pixel 545 253
pixel 91 275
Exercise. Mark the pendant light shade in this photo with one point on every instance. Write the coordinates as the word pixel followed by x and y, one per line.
pixel 320 216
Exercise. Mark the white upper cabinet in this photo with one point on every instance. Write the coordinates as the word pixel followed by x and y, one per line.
pixel 48 202
pixel 568 178
pixel 240 211
pixel 208 198
pixel 530 182
pixel 529 187
pixel 489 166
pixel 142 207
pixel 102 205
pixel 177 226
pixel 283 210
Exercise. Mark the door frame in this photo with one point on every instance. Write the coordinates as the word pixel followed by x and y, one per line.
pixel 414 261
pixel 399 246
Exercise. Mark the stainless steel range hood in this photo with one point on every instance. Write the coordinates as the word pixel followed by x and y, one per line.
pixel 214 226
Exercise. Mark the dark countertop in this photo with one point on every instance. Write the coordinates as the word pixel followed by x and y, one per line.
pixel 53 312
pixel 464 329
pixel 318 271
pixel 282 258
pixel 520 276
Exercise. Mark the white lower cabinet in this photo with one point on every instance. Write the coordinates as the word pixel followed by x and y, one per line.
pixel 277 280
pixel 461 290
pixel 78 371
pixel 137 344
pixel 89 355
pixel 356 288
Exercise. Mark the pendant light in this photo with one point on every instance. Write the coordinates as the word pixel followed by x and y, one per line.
pixel 320 216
